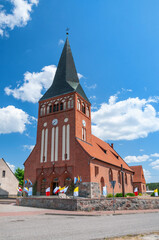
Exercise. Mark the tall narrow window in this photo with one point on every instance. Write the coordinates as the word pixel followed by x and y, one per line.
pixel 87 111
pixel 44 143
pixel 119 177
pixel 42 110
pixel 54 144
pixel 110 175
pixel 49 108
pixel 126 181
pixel 64 105
pixel 83 108
pixel 96 170
pixel 78 105
pixel 61 106
pixel 3 173
pixel 56 107
pixel 66 142
pixel 72 102
pixel 83 134
pixel 131 178
pixel 68 104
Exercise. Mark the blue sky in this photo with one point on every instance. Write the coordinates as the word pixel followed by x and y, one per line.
pixel 115 48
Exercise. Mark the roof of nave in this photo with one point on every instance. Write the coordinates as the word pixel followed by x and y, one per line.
pixel 103 151
pixel 139 174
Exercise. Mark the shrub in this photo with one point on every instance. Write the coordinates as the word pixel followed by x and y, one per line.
pixel 130 194
pixel 109 195
pixel 118 195
pixel 153 194
pixel 140 194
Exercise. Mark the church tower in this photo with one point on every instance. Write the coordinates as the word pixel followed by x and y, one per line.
pixel 64 116
pixel 65 147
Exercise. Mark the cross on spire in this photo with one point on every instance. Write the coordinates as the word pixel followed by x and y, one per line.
pixel 67 31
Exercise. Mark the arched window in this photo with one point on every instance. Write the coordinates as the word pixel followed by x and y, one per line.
pixel 119 177
pixel 126 180
pixel 110 175
pixel 64 105
pixel 69 104
pixel 61 106
pixel 87 111
pixel 49 108
pixel 56 107
pixel 42 110
pixel 102 184
pixel 83 108
pixel 78 105
pixel 131 178
pixel 72 102
pixel 83 134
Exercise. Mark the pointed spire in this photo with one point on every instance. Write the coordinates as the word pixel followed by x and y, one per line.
pixel 66 78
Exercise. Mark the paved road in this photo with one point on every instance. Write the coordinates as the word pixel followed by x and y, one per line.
pixel 44 225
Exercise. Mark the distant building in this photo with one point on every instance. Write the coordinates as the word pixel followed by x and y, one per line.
pixel 139 179
pixel 8 181
pixel 65 147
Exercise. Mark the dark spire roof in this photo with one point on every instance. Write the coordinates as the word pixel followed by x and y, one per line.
pixel 66 78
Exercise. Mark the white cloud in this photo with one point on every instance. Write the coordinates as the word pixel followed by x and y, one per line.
pixel 90 87
pixel 147 174
pixel 129 119
pixel 19 16
pixel 13 120
pixel 155 155
pixel 126 90
pixel 11 166
pixel 155 164
pixel 61 42
pixel 92 97
pixel 34 83
pixel 137 159
pixel 141 150
pixel 144 158
pixel 28 147
pixel 80 75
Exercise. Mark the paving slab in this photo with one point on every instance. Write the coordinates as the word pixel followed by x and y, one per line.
pixel 14 210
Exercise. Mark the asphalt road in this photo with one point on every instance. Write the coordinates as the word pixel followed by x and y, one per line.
pixel 48 227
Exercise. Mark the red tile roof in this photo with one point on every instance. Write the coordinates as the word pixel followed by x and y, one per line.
pixel 104 152
pixel 139 174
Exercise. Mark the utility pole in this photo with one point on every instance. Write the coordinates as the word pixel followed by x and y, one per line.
pixel 123 185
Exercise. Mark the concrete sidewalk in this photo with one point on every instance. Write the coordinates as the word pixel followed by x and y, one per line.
pixel 13 210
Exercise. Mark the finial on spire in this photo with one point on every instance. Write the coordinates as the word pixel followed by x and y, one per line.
pixel 67 31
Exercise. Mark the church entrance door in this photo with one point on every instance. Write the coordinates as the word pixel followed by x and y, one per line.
pixel 53 185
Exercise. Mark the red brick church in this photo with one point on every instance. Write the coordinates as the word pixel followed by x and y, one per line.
pixel 65 147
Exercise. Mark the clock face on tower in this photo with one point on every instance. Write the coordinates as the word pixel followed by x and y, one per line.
pixel 83 123
pixel 54 122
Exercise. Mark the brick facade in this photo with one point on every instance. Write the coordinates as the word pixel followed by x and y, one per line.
pixel 139 179
pixel 65 147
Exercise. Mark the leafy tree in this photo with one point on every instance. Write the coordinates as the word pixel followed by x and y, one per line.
pixel 152 186
pixel 19 173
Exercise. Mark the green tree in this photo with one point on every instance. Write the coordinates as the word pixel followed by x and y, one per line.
pixel 152 186
pixel 19 173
